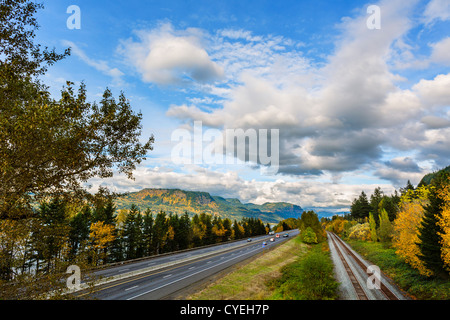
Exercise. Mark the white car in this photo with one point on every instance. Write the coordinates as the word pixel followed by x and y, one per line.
pixel 272 239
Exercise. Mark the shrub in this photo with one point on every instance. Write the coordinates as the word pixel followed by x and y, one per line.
pixel 361 231
pixel 309 236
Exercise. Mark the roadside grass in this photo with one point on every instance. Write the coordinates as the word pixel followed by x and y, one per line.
pixel 308 278
pixel 408 279
pixel 294 270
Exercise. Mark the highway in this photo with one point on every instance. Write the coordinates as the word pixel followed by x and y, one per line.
pixel 161 277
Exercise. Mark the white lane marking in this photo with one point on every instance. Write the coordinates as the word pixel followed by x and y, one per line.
pixel 131 288
pixel 193 274
pixel 167 276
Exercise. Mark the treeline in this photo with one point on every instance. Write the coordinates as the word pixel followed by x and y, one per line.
pixel 309 225
pixel 416 222
pixel 59 235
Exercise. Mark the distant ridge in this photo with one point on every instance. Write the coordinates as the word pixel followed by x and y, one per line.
pixel 426 180
pixel 196 202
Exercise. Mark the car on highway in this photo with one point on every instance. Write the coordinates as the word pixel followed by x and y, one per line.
pixel 249 240
pixel 264 243
pixel 272 239
pixel 286 235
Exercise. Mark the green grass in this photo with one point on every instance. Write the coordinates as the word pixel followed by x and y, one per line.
pixel 308 278
pixel 417 286
pixel 293 271
pixel 249 282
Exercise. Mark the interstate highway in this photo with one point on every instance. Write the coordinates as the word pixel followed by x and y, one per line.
pixel 175 272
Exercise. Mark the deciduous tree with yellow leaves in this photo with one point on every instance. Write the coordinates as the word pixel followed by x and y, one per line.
pixel 444 223
pixel 101 238
pixel 406 232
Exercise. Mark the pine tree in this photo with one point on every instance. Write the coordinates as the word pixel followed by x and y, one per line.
pixel 79 231
pixel 160 229
pixel 147 232
pixel 132 233
pixel 429 230
pixel 375 200
pixel 360 207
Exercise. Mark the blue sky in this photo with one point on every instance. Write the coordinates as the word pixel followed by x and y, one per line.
pixel 355 108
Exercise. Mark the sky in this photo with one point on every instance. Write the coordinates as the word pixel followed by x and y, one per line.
pixel 355 94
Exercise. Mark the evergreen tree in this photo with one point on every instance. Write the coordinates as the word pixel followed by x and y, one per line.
pixel 430 241
pixel 147 232
pixel 238 230
pixel 132 234
pixel 79 231
pixel 184 232
pixel 375 200
pixel 360 207
pixel 160 228
pixel 51 236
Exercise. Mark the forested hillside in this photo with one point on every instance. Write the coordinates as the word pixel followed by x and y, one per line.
pixel 196 202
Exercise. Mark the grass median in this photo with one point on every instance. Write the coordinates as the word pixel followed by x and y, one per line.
pixel 293 270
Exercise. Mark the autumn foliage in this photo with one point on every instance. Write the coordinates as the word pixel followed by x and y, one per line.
pixel 406 232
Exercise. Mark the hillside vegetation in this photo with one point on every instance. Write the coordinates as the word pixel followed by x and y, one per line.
pixel 178 201
pixel 407 234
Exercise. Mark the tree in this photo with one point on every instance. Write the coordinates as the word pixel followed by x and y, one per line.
pixel 360 207
pixel 444 224
pixel 309 236
pixel 430 228
pixel 132 233
pixel 406 227
pixel 79 231
pixel 373 228
pixel 360 231
pixel 407 188
pixel 310 219
pixel 385 230
pixel 51 147
pixel 101 238
pixel 375 200
pixel 147 232
pixel 160 229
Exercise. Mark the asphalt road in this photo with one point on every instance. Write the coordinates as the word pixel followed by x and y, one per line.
pixel 161 277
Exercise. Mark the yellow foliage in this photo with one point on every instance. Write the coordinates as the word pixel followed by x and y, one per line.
pixel 219 232
pixel 100 237
pixel 171 233
pixel 361 231
pixel 406 228
pixel 444 223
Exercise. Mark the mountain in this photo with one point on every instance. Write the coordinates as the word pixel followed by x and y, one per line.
pixel 196 202
pixel 426 180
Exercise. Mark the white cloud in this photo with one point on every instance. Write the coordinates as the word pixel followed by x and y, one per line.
pixel 166 57
pixel 306 193
pixel 335 118
pixel 435 93
pixel 332 118
pixel 99 65
pixel 436 10
pixel 441 51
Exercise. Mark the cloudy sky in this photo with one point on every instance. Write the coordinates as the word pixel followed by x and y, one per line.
pixel 355 106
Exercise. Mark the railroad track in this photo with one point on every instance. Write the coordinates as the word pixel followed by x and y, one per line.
pixel 342 249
